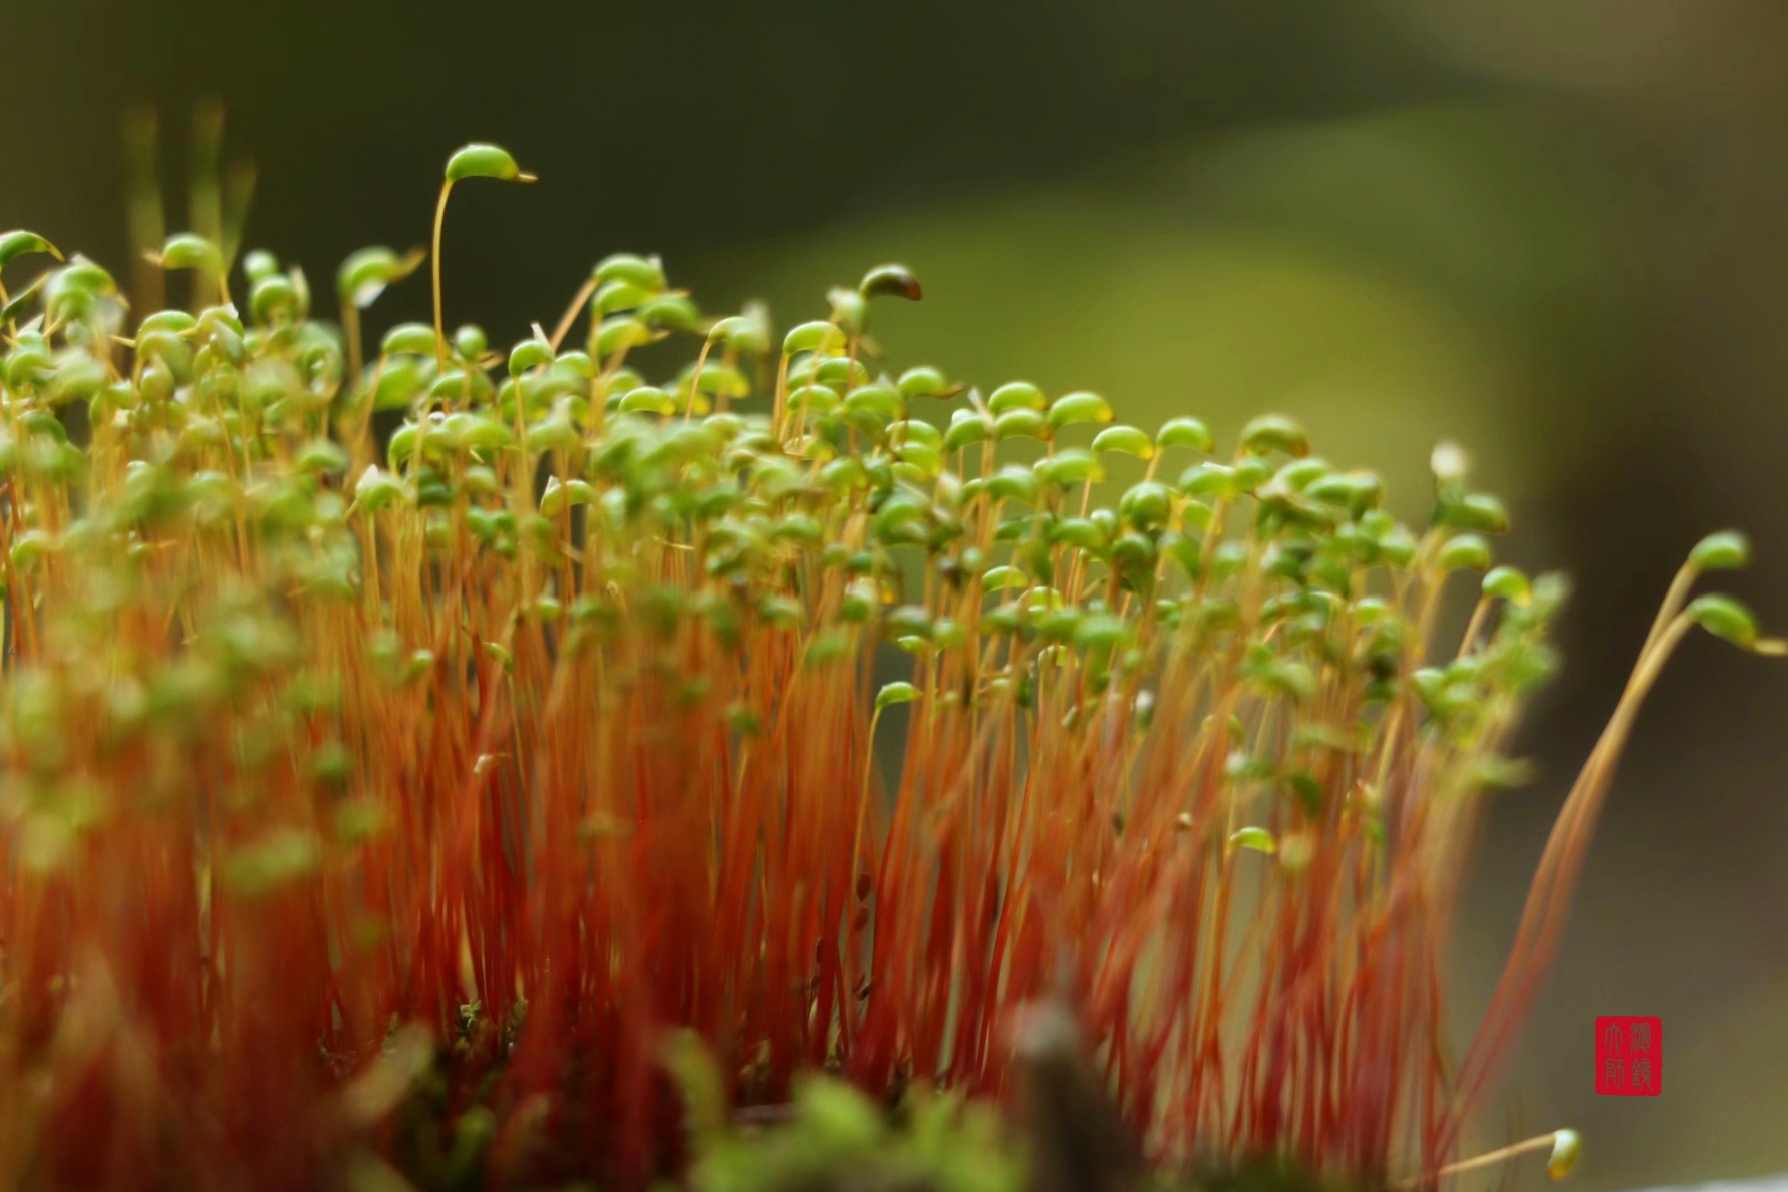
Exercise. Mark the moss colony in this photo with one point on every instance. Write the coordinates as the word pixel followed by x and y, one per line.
pixel 378 808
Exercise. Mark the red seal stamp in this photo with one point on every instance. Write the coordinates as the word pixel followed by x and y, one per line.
pixel 1629 1056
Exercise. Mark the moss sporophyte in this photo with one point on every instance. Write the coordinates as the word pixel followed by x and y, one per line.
pixel 378 808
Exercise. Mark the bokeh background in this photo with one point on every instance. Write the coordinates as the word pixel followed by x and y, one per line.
pixel 1556 230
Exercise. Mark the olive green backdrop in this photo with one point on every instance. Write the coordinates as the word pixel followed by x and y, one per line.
pixel 1553 229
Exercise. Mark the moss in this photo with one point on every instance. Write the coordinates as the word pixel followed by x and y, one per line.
pixel 399 750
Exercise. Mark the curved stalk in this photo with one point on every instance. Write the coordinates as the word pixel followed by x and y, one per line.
pixel 435 270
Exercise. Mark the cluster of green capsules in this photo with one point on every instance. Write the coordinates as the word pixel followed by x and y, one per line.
pixel 571 491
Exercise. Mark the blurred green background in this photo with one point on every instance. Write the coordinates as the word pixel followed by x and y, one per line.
pixel 1551 229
